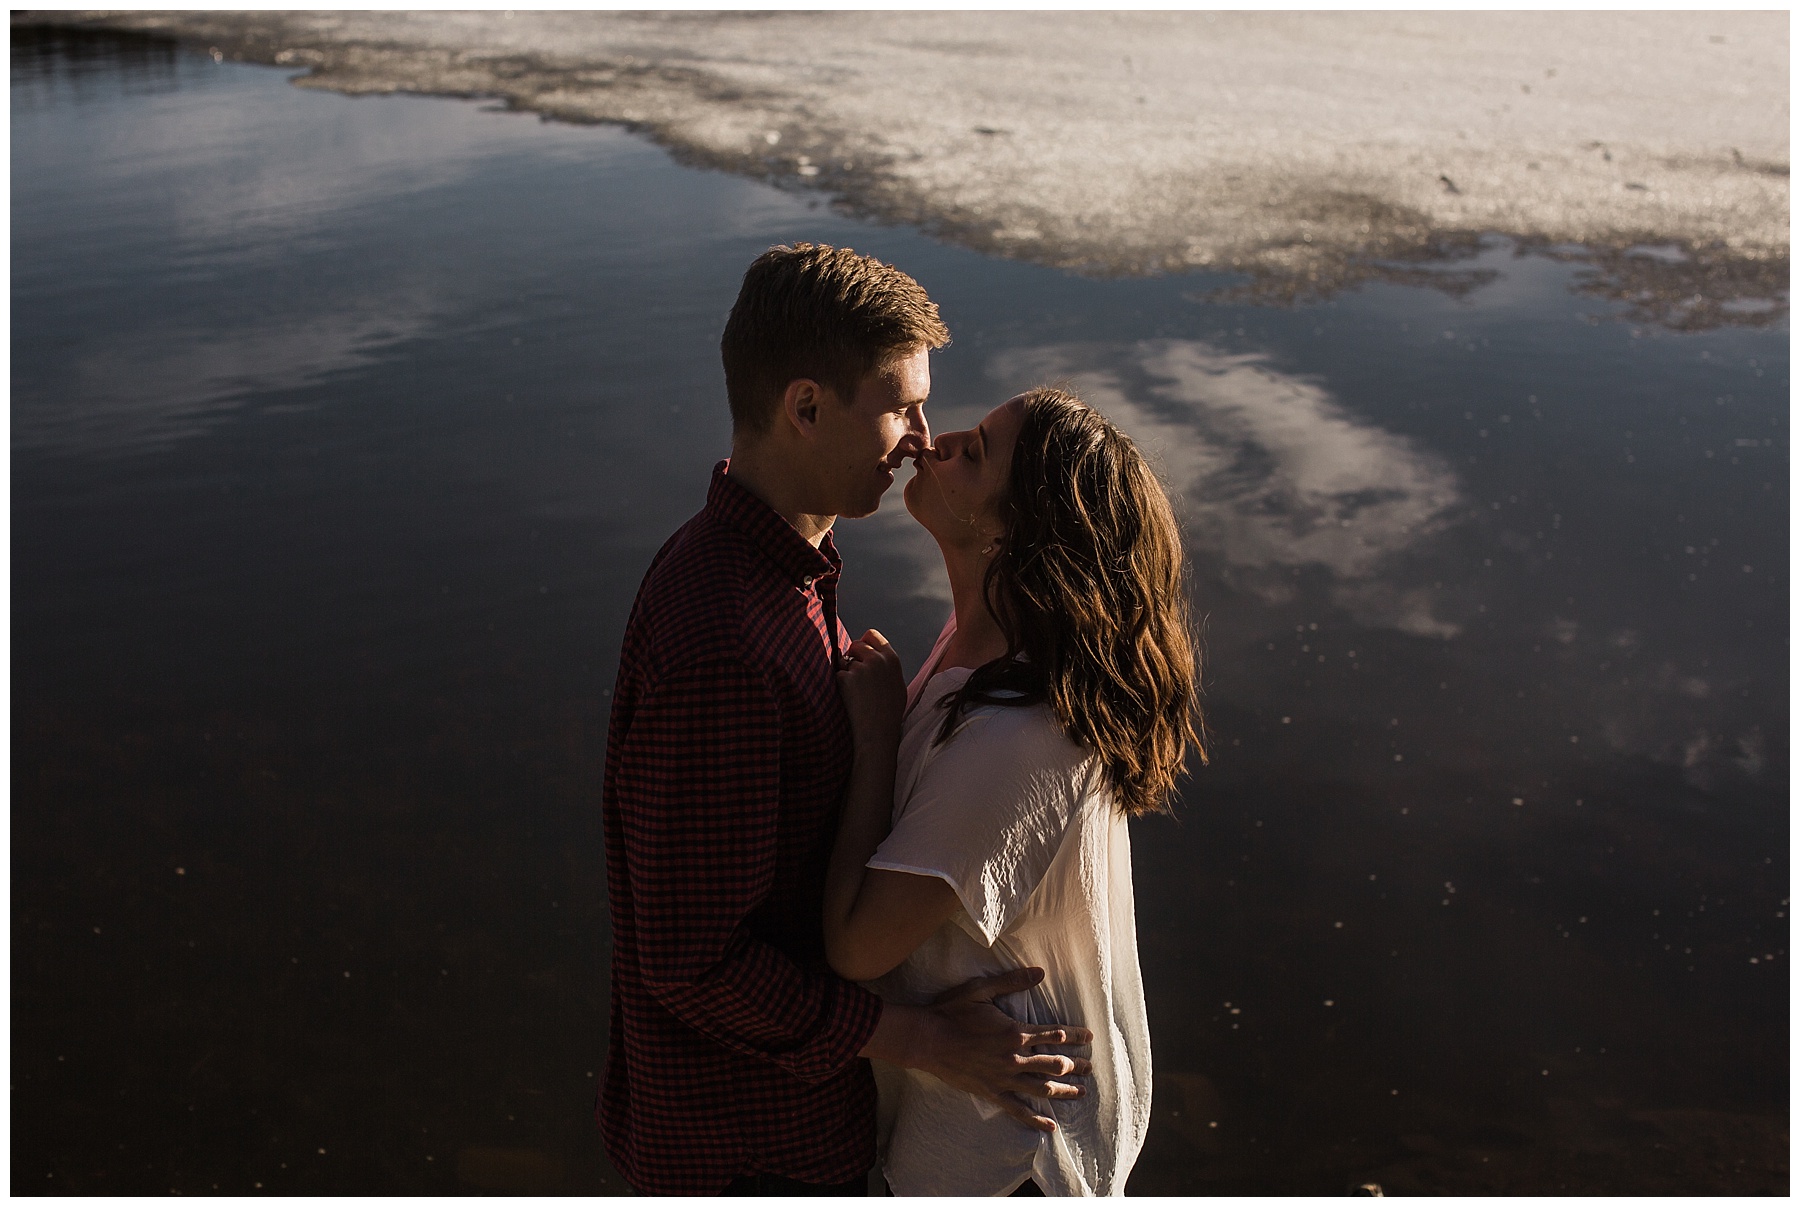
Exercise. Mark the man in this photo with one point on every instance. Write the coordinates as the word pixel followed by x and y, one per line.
pixel 735 1056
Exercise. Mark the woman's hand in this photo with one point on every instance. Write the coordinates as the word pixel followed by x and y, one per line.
pixel 874 691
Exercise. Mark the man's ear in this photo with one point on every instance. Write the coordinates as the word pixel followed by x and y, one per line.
pixel 800 404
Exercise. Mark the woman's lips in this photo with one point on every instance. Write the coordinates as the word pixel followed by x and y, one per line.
pixel 916 456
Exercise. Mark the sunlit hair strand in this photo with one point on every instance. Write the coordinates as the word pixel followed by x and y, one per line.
pixel 1087 586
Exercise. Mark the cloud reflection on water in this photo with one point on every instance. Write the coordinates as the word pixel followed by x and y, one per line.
pixel 146 390
pixel 1270 472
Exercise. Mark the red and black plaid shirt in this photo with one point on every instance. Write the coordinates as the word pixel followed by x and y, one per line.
pixel 733 1045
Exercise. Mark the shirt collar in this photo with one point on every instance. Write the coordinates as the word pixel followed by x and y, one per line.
pixel 773 536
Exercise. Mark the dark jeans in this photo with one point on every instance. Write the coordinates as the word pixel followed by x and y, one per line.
pixel 773 1184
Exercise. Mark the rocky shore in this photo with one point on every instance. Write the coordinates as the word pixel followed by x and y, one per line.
pixel 1310 150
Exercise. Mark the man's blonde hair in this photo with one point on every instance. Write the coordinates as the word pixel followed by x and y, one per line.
pixel 824 313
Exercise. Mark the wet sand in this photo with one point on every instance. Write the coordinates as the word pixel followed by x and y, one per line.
pixel 1310 149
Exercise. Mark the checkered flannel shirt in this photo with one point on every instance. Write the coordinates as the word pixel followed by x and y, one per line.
pixel 733 1045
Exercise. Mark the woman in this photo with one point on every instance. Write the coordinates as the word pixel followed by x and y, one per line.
pixel 985 827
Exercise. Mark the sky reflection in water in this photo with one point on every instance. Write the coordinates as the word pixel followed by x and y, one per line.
pixel 1277 475
pixel 343 430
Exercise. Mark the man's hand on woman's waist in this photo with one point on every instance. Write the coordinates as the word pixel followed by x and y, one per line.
pixel 967 1042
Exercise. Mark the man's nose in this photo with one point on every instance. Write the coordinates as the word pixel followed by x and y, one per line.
pixel 919 425
pixel 917 438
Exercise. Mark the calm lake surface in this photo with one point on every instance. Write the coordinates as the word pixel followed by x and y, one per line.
pixel 344 429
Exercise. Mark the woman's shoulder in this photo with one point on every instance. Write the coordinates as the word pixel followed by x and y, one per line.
pixel 1015 736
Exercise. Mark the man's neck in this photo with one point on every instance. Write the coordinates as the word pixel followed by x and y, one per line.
pixel 766 476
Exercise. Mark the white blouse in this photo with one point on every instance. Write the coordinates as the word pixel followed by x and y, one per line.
pixel 1017 818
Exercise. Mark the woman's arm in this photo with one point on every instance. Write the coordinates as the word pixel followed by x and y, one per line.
pixel 874 919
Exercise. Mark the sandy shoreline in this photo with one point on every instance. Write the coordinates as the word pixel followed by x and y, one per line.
pixel 1311 149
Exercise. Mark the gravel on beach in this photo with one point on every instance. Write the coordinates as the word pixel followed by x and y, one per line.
pixel 1310 149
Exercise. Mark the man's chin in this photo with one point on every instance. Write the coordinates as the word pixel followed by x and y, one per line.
pixel 870 502
pixel 862 509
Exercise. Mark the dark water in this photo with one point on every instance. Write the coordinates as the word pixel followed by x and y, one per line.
pixel 343 429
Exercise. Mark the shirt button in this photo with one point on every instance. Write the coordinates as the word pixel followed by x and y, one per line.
pixel 807 582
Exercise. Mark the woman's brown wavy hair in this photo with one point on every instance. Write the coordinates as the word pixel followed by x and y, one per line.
pixel 1086 584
